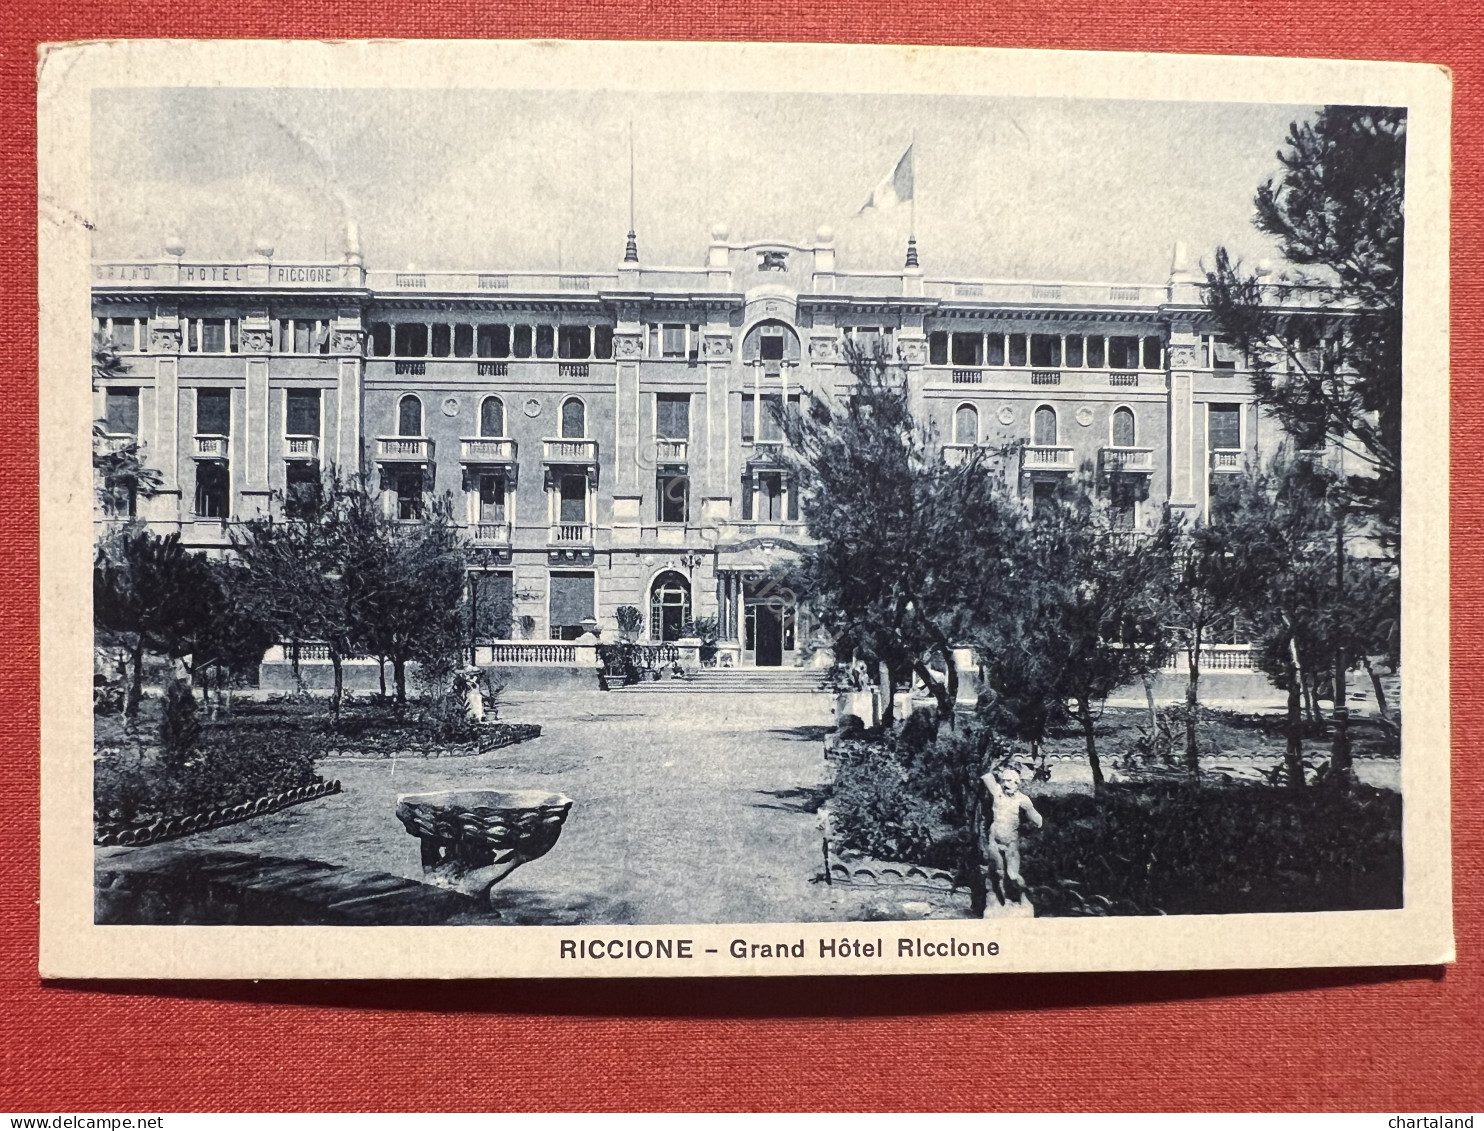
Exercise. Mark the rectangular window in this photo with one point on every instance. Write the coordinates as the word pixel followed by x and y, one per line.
pixel 769 427
pixel 770 347
pixel 749 427
pixel 747 486
pixel 411 339
pixel 938 348
pixel 770 497
pixel 193 335
pixel 1017 349
pixel 212 494
pixel 545 341
pixel 491 498
pixel 1123 513
pixel 574 342
pixel 1152 349
pixel 494 341
pixel 867 339
pixel 1095 355
pixel 521 346
pixel 1046 351
pixel 672 341
pixel 213 412
pixel 672 416
pixel 381 339
pixel 674 498
pixel 1074 351
pixel 123 339
pixel 573 506
pixel 213 335
pixel 303 336
pixel 994 353
pixel 302 491
pixel 492 604
pixel 1224 422
pixel 1223 354
pixel 463 340
pixel 409 487
pixel 693 348
pixel 968 349
pixel 301 412
pixel 571 604
pixel 603 342
pixel 1123 353
pixel 442 340
pixel 121 411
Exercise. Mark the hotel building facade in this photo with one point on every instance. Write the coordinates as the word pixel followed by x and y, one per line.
pixel 606 437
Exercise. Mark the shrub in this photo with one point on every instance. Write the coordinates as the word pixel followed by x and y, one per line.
pixel 1183 848
pixel 224 770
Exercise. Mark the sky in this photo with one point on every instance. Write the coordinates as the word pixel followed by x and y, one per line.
pixel 493 179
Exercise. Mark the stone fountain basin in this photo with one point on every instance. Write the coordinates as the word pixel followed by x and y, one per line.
pixel 472 839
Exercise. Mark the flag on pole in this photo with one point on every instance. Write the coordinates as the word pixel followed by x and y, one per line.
pixel 895 188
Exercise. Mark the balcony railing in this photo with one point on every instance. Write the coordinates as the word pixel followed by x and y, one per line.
pixel 1215 657
pixel 410 368
pixel 486 449
pixel 412 449
pixel 571 534
pixel 968 376
pixel 535 654
pixel 117 441
pixel 493 369
pixel 490 533
pixel 301 447
pixel 569 451
pixel 1045 376
pixel 1123 380
pixel 568 370
pixel 211 446
pixel 1044 457
pixel 667 450
pixel 1226 460
pixel 1128 459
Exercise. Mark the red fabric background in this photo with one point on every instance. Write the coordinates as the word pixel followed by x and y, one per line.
pixel 1369 1039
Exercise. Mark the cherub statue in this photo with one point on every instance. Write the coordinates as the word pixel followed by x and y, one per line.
pixel 466 685
pixel 1007 806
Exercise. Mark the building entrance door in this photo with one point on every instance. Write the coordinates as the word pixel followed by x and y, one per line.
pixel 769 636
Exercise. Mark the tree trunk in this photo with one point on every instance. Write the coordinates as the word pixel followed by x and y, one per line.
pixel 1311 703
pixel 974 856
pixel 1192 704
pixel 136 680
pixel 1293 758
pixel 399 675
pixel 1149 702
pixel 339 689
pixel 381 669
pixel 940 694
pixel 888 700
pixel 1383 708
pixel 1084 714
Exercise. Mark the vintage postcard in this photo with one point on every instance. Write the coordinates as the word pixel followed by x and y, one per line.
pixel 597 509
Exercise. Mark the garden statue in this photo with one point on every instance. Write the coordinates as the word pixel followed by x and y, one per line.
pixel 466 685
pixel 1007 807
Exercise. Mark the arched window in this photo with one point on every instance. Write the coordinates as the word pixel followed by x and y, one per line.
pixel 966 425
pixel 1045 427
pixel 574 419
pixel 1123 428
pixel 410 416
pixel 669 606
pixel 492 417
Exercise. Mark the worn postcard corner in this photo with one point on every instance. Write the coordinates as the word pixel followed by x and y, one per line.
pixel 722 509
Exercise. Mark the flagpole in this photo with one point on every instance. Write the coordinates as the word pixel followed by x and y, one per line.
pixel 631 247
pixel 912 213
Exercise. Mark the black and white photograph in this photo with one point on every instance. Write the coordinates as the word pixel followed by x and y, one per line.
pixel 863 527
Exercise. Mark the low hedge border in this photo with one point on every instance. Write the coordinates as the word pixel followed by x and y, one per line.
pixel 490 737
pixel 169 828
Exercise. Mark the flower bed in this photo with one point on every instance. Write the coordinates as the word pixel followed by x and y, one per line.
pixel 402 744
pixel 168 828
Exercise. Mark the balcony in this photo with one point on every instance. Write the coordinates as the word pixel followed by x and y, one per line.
pixel 572 370
pixel 404 449
pixel 411 368
pixel 486 449
pixel 1119 380
pixel 1043 457
pixel 1227 460
pixel 667 450
pixel 570 534
pixel 1045 376
pixel 1128 459
pixel 304 448
pixel 957 455
pixel 211 446
pixel 569 451
pixel 493 369
pixel 116 441
pixel 968 376
pixel 490 533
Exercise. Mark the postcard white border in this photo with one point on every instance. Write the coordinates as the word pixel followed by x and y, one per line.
pixel 73 946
